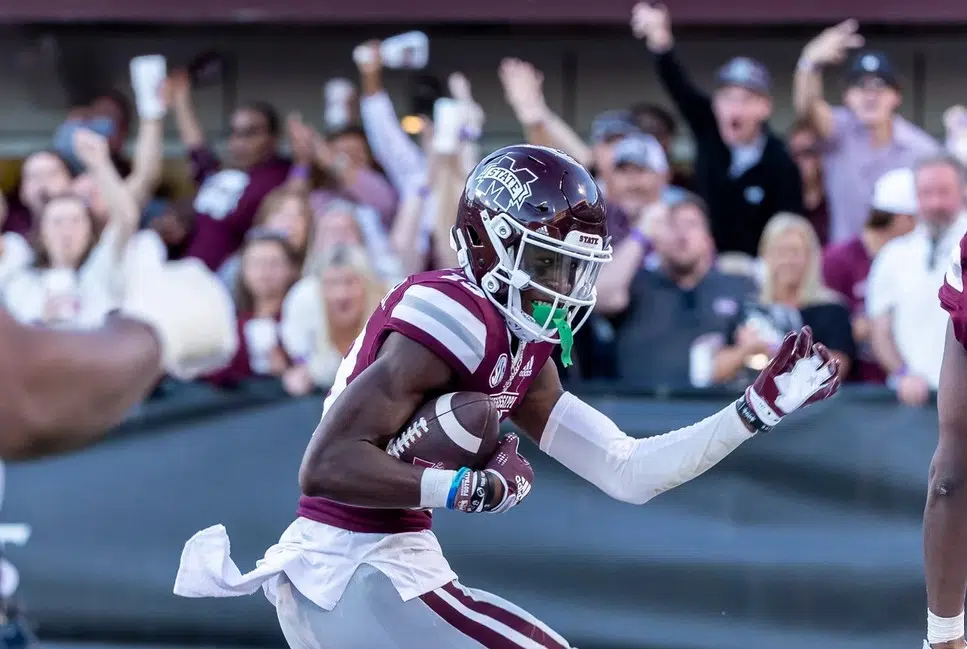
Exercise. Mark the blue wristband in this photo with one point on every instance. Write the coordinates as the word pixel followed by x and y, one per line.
pixel 455 486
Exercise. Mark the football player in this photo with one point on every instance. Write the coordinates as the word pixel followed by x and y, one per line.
pixel 945 516
pixel 61 390
pixel 360 567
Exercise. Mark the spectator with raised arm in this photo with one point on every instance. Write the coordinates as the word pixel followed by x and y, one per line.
pixel 865 137
pixel 399 156
pixel 76 275
pixel 345 162
pixel 229 198
pixel 742 169
pixel 524 92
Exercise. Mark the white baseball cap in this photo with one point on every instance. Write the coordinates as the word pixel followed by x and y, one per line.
pixel 896 192
pixel 642 150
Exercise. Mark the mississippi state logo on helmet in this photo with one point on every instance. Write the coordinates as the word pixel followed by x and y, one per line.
pixel 531 231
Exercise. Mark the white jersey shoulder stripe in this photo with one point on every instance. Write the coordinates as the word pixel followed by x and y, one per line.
pixel 445 320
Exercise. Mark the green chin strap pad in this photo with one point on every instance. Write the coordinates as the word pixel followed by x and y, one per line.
pixel 540 313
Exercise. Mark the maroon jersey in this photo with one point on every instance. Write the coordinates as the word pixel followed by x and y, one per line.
pixel 846 266
pixel 449 315
pixel 952 292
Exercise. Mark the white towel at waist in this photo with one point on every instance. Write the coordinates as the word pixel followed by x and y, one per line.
pixel 318 559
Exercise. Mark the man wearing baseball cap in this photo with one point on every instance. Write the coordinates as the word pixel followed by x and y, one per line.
pixel 742 170
pixel 864 138
pixel 846 265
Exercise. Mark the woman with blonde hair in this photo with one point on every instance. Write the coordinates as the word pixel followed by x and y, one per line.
pixel 792 295
pixel 325 312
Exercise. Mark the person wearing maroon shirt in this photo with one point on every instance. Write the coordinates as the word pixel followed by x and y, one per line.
pixel 228 199
pixel 846 265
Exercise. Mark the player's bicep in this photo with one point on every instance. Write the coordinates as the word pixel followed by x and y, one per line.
pixel 534 411
pixel 378 402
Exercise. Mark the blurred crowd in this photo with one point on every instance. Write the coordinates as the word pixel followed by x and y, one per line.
pixel 847 222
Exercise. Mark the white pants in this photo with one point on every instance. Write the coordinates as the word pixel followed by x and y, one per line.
pixel 372 615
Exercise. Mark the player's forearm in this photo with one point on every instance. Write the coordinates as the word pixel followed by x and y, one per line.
pixel 356 472
pixel 72 387
pixel 636 470
pixel 945 536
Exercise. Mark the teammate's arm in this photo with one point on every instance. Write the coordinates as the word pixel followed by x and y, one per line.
pixel 636 470
pixel 944 524
pixel 61 390
pixel 346 460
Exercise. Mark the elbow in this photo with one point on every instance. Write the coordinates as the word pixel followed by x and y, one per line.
pixel 638 496
pixel 320 475
pixel 948 473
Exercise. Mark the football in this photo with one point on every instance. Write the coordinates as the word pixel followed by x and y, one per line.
pixel 455 430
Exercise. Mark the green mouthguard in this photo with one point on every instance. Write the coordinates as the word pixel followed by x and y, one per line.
pixel 541 311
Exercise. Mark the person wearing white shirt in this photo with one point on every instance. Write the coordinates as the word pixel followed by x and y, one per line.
pixel 76 276
pixel 908 324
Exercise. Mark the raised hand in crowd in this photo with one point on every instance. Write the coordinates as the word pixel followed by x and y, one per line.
pixel 123 213
pixel 652 23
pixel 833 44
pixel 178 94
pixel 523 89
pixel 91 149
pixel 370 68
pixel 302 139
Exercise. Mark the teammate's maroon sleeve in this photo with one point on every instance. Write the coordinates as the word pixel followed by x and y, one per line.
pixel 61 390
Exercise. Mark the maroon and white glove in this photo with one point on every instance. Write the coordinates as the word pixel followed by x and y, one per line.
pixel 799 374
pixel 476 491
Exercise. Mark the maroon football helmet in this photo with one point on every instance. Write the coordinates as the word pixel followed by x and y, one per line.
pixel 531 228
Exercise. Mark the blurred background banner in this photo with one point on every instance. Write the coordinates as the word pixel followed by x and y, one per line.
pixel 614 12
pixel 807 538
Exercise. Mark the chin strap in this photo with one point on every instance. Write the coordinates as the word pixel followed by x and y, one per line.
pixel 541 311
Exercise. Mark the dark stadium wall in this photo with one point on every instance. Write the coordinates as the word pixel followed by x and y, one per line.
pixel 806 537
pixel 532 12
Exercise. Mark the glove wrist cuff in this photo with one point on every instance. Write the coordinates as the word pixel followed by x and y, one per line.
pixel 749 415
pixel 491 505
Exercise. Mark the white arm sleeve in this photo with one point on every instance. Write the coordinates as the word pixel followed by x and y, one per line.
pixel 636 470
